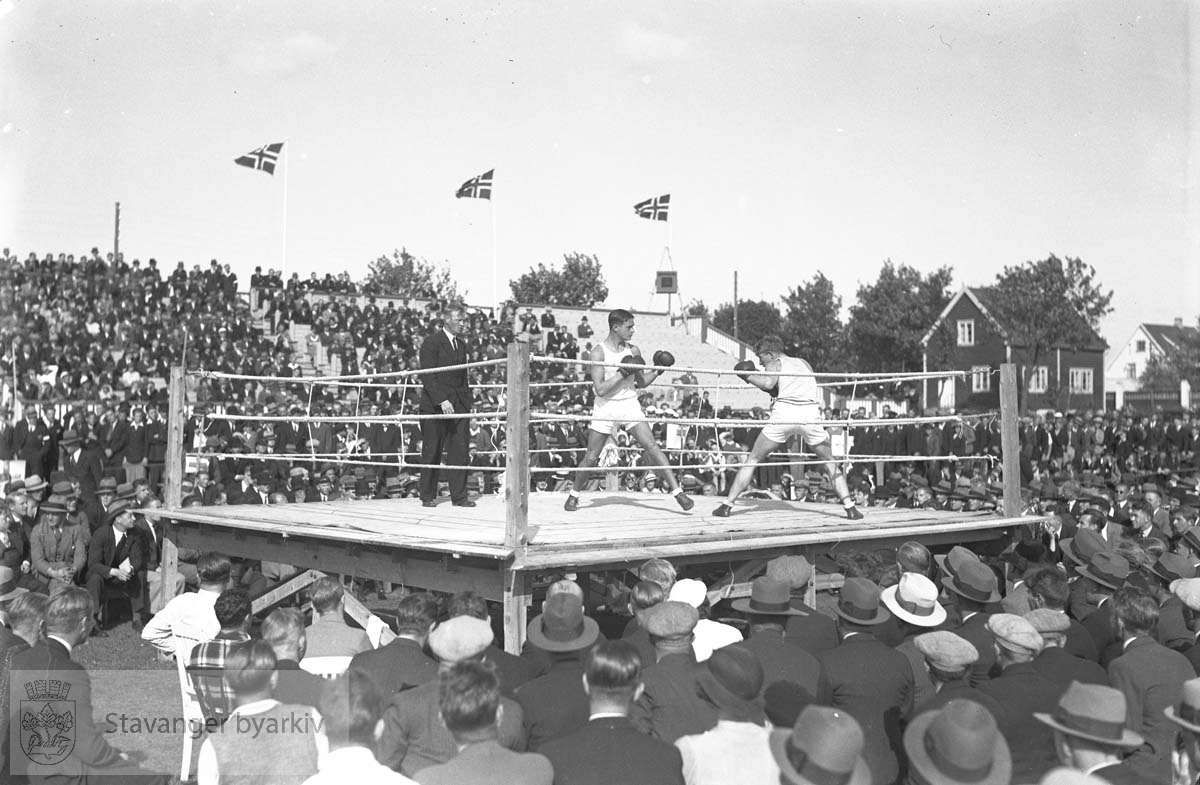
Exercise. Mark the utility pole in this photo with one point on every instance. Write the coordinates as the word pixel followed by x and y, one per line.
pixel 735 306
pixel 117 233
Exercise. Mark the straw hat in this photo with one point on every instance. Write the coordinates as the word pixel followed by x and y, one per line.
pixel 914 600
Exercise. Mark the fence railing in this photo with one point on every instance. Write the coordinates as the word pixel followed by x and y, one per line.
pixel 699 327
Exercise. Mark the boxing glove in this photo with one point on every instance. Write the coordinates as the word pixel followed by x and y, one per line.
pixel 630 359
pixel 745 365
pixel 663 358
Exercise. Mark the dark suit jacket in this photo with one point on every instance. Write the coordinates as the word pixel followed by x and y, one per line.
pixel 785 661
pixel 297 686
pixel 670 705
pixel 104 553
pixel 554 704
pixel 1122 773
pixel 487 763
pixel 511 669
pixel 1152 677
pixel 874 683
pixel 814 632
pixel 452 386
pixel 611 751
pixel 396 667
pixel 1080 643
pixel 960 689
pixel 975 631
pixel 85 469
pixel 91 748
pixel 1062 668
pixel 31 445
pixel 137 443
pixel 1021 690
pixel 1099 626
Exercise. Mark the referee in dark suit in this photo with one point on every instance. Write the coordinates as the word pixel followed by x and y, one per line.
pixel 445 392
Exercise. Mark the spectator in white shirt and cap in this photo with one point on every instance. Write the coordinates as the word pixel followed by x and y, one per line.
pixel 189 619
pixel 709 635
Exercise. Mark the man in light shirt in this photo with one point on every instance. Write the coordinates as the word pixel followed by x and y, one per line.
pixel 189 619
pixel 352 711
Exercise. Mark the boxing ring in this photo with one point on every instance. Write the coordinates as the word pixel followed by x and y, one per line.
pixel 503 544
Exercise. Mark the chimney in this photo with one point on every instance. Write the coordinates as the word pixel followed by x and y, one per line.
pixel 1178 322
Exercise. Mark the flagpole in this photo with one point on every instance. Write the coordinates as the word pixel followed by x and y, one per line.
pixel 495 286
pixel 286 168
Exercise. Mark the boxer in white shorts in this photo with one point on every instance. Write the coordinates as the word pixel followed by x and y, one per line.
pixel 793 399
pixel 616 404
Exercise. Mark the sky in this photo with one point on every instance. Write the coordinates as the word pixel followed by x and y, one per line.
pixel 793 137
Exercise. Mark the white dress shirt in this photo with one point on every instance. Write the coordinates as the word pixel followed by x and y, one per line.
pixel 185 621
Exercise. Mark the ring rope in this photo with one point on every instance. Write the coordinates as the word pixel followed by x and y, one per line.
pixel 352 380
pixel 488 416
pixel 873 377
pixel 862 423
pixel 348 461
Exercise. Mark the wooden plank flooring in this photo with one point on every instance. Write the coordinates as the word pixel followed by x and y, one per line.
pixel 607 527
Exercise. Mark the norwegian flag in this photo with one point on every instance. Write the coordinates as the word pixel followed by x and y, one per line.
pixel 262 159
pixel 477 187
pixel 654 209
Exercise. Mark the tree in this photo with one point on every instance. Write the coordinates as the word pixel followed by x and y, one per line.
pixel 1180 362
pixel 405 274
pixel 695 308
pixel 579 283
pixel 893 314
pixel 1048 304
pixel 755 319
pixel 812 326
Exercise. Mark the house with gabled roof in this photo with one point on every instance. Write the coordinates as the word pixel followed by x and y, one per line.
pixel 967 336
pixel 1126 364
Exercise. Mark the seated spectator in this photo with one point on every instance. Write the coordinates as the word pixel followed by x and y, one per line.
pixel 351 710
pixel 737 748
pixel 232 609
pixel 284 630
pixel 58 552
pixel 403 663
pixel 960 737
pixel 1090 733
pixel 235 751
pixel 27 620
pixel 69 617
pixel 469 701
pixel 329 635
pixel 117 563
pixel 555 704
pixel 191 618
pixel 513 671
pixel 670 705
pixel 414 735
pixel 609 749
pixel 709 635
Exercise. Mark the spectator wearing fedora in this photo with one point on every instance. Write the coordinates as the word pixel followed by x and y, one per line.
pixel 117 563
pixel 1151 676
pixel 1055 662
pixel 1090 734
pixel 469 704
pixel 57 552
pixel 1188 592
pixel 768 608
pixel 948 659
pixel 913 604
pixel 1050 590
pixel 1186 716
pixel 1025 556
pixel 414 735
pixel 82 466
pixel 610 749
pixel 1021 690
pixel 958 744
pixel 670 705
pixel 972 585
pixel 867 678
pixel 824 745
pixel 810 629
pixel 737 749
pixel 1172 630
pixel 1079 551
pixel 1107 573
pixel 555 704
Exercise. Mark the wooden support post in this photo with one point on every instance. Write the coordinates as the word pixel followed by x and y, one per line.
pixel 1010 446
pixel 518 596
pixel 172 481
pixel 516 429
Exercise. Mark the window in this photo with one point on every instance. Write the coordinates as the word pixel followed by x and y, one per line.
pixel 1131 371
pixel 981 379
pixel 966 332
pixel 1140 347
pixel 1081 380
pixel 1039 379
